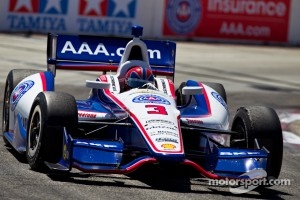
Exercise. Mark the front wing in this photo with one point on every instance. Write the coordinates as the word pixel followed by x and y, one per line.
pixel 100 156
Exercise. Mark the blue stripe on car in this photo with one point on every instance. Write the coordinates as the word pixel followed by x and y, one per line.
pixel 49 81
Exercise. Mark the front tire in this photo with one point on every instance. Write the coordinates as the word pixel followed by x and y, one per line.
pixel 50 114
pixel 262 124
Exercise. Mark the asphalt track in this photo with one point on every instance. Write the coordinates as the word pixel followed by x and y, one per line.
pixel 252 75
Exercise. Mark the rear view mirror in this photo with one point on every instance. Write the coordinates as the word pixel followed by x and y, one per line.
pixel 97 84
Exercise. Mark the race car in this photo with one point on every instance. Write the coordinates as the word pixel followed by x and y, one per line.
pixel 134 115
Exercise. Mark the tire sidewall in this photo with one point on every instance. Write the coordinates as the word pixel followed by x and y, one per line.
pixel 36 158
pixel 263 124
pixel 5 115
pixel 34 155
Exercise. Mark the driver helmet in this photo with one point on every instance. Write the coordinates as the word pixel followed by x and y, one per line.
pixel 138 76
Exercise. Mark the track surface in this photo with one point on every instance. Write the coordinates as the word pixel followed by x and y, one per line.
pixel 252 75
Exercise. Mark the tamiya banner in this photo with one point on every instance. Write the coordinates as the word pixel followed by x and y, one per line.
pixel 35 15
pixel 94 17
pixel 261 20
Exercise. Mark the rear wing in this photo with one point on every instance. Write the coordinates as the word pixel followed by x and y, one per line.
pixel 94 53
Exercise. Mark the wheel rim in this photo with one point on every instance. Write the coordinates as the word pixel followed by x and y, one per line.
pixel 34 133
pixel 240 128
pixel 6 106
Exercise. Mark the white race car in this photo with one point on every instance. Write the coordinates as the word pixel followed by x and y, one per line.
pixel 134 116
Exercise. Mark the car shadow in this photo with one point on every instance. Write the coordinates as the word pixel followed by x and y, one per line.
pixel 20 157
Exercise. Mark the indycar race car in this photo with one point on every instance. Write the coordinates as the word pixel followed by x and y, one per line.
pixel 134 115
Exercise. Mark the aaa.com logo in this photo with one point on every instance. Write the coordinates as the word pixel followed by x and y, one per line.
pixel 39 6
pixel 183 16
pixel 108 8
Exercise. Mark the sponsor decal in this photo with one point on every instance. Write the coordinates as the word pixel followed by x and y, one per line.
pixel 37 15
pixel 166 140
pixel 113 83
pixel 238 153
pixel 219 98
pixel 183 16
pixel 18 92
pixel 95 49
pixel 87 115
pixel 159 121
pixel 249 7
pixel 194 121
pixel 104 26
pixel 168 146
pixel 85 48
pixel 164 86
pixel 169 133
pixel 161 126
pixel 150 98
pixel 108 16
pixel 96 144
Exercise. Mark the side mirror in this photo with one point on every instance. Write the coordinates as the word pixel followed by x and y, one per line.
pixel 97 84
pixel 192 90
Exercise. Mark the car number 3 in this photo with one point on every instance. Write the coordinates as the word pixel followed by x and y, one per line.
pixel 156 109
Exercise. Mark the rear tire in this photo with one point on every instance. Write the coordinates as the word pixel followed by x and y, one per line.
pixel 14 77
pixel 181 99
pixel 219 88
pixel 263 124
pixel 50 113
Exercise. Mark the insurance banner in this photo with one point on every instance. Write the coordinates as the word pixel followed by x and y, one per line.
pixel 261 20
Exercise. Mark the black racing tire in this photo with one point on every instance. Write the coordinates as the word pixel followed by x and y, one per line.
pixel 181 99
pixel 50 113
pixel 219 88
pixel 13 78
pixel 263 124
